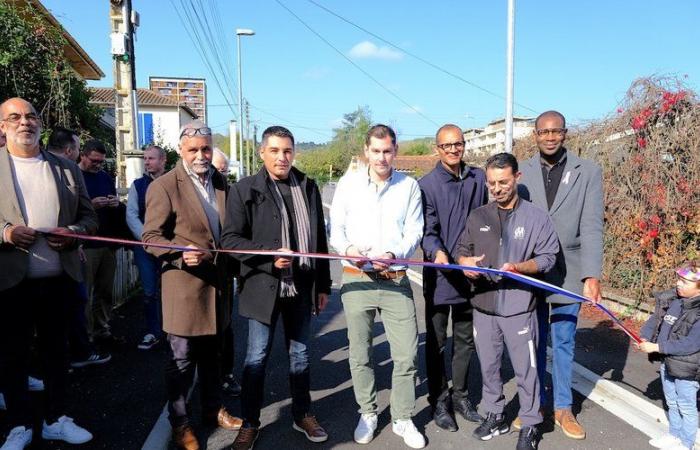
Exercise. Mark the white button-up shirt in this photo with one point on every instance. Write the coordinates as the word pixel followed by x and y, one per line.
pixel 377 218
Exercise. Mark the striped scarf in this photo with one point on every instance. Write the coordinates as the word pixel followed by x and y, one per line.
pixel 303 228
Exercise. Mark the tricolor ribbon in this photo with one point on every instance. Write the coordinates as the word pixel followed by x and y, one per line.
pixel 407 262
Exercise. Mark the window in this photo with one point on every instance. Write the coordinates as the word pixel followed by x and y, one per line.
pixel 145 129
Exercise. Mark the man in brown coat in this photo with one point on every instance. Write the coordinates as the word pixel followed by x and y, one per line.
pixel 186 207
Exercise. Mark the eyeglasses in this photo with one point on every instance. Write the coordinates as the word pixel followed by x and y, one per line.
pixel 17 118
pixel 449 145
pixel 204 131
pixel 548 131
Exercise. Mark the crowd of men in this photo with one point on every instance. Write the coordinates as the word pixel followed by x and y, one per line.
pixel 544 221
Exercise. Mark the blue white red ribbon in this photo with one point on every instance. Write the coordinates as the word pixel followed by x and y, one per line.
pixel 407 262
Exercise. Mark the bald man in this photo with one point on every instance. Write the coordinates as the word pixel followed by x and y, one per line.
pixel 42 193
pixel 220 162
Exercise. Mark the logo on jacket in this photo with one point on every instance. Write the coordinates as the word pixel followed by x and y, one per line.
pixel 485 228
pixel 519 233
pixel 669 319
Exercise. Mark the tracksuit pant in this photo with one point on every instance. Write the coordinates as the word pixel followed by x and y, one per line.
pixel 519 335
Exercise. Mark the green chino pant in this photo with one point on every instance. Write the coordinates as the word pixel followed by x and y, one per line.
pixel 363 296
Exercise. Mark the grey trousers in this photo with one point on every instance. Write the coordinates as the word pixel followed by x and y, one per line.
pixel 519 333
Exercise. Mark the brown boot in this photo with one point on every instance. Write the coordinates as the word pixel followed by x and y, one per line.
pixel 569 425
pixel 184 438
pixel 311 428
pixel 224 420
pixel 245 439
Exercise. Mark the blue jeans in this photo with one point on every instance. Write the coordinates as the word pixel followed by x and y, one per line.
pixel 560 324
pixel 681 398
pixel 296 318
pixel 149 273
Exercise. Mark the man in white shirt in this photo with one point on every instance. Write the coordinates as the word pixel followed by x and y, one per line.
pixel 377 214
pixel 149 267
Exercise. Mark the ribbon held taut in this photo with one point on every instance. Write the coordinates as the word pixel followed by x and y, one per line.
pixel 530 281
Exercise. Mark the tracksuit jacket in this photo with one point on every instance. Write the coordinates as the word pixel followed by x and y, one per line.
pixel 526 233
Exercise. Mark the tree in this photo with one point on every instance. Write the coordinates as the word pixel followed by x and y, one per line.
pixel 33 66
pixel 348 141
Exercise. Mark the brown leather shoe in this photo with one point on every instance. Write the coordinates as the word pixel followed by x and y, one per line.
pixel 569 425
pixel 311 428
pixel 245 439
pixel 224 420
pixel 184 438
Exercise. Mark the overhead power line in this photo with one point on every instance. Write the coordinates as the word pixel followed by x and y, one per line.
pixel 367 74
pixel 419 58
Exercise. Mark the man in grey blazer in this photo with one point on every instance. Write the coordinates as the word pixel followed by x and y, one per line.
pixel 41 193
pixel 571 189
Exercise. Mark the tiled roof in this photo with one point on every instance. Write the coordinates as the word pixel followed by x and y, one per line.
pixel 146 97
pixel 415 163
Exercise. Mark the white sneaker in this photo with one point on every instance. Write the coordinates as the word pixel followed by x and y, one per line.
pixel 3 406
pixel 678 446
pixel 65 430
pixel 35 384
pixel 410 434
pixel 366 426
pixel 18 439
pixel 663 441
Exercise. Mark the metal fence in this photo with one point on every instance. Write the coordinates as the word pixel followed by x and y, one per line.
pixel 125 277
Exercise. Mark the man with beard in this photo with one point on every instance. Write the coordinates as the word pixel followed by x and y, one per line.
pixel 42 193
pixel 185 208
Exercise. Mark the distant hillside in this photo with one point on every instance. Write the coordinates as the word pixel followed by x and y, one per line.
pixel 301 146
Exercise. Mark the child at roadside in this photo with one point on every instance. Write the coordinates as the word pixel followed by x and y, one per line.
pixel 673 334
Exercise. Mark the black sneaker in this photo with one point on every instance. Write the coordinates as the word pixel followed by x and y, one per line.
pixel 467 410
pixel 93 359
pixel 231 386
pixel 528 438
pixel 492 425
pixel 149 341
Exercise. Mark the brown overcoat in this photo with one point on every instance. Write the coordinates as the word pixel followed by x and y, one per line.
pixel 196 300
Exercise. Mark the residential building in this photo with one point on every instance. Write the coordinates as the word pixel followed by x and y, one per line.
pixel 491 139
pixel 191 92
pixel 160 117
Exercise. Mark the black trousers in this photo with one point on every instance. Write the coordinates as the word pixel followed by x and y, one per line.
pixel 42 305
pixel 202 353
pixel 436 319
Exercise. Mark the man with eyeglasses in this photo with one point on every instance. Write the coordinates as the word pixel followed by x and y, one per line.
pixel 450 192
pixel 41 193
pixel 186 207
pixel 571 189
pixel 101 262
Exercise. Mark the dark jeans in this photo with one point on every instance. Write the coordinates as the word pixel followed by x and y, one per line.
pixel 149 274
pixel 296 318
pixel 186 355
pixel 43 305
pixel 79 344
pixel 436 317
pixel 228 349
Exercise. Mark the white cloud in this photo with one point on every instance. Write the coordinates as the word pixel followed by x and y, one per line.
pixel 316 73
pixel 369 50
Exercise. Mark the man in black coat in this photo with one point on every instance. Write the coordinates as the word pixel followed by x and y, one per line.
pixel 278 208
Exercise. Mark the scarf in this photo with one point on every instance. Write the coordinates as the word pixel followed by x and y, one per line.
pixel 303 228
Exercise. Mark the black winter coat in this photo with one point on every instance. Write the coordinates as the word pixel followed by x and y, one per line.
pixel 253 222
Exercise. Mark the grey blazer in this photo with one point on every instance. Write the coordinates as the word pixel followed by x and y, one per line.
pixel 577 213
pixel 75 211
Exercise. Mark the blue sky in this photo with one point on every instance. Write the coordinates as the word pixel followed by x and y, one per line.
pixel 575 56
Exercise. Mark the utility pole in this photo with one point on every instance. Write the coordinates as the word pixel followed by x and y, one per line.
pixel 255 148
pixel 233 146
pixel 129 158
pixel 248 159
pixel 509 77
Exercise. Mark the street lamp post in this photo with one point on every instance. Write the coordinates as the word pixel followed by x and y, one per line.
pixel 241 32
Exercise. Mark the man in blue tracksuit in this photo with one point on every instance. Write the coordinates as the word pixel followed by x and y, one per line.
pixel 513 235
